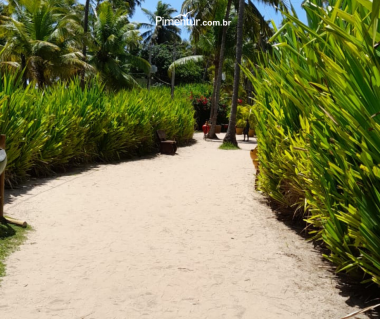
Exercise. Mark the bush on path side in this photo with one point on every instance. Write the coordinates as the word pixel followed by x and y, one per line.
pixel 317 107
pixel 63 125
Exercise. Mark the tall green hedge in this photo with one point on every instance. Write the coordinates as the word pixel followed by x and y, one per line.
pixel 63 125
pixel 318 106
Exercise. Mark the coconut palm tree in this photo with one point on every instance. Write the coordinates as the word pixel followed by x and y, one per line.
pixel 85 30
pixel 255 27
pixel 231 134
pixel 113 38
pixel 42 38
pixel 259 30
pixel 129 5
pixel 204 10
pixel 218 75
pixel 159 33
pixel 132 4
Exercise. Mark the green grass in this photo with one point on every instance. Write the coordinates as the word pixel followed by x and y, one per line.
pixel 10 238
pixel 228 147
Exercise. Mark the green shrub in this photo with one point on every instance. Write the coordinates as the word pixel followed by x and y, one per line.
pixel 317 108
pixel 200 96
pixel 191 72
pixel 64 125
pixel 162 58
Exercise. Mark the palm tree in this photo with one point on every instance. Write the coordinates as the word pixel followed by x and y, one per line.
pixel 132 4
pixel 114 37
pixel 255 28
pixel 202 10
pixel 205 10
pixel 85 30
pixel 231 133
pixel 159 33
pixel 129 5
pixel 218 75
pixel 42 39
pixel 259 29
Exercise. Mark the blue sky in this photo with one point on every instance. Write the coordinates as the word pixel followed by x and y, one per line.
pixel 268 12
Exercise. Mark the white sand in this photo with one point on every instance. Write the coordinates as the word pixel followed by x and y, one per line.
pixel 167 237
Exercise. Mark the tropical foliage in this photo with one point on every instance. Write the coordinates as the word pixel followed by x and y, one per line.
pixel 159 33
pixel 42 37
pixel 114 38
pixel 64 67
pixel 319 127
pixel 48 41
pixel 162 58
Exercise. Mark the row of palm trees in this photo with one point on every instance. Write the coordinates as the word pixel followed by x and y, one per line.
pixel 54 40
pixel 42 38
pixel 245 36
pixel 58 39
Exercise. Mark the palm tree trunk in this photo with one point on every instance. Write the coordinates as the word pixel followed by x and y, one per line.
pixel 23 70
pixel 173 72
pixel 40 75
pixel 205 72
pixel 218 80
pixel 85 29
pixel 149 78
pixel 216 67
pixel 231 132
pixel 250 89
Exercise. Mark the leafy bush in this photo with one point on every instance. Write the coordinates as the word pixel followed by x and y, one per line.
pixel 245 112
pixel 64 125
pixel 200 96
pixel 162 58
pixel 191 72
pixel 317 107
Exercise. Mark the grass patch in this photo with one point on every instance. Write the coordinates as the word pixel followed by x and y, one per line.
pixel 228 146
pixel 10 238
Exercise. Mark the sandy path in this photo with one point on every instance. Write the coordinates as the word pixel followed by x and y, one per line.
pixel 169 237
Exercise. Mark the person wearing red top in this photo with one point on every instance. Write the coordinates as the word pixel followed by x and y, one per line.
pixel 206 129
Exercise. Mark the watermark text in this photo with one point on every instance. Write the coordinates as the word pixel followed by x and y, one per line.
pixel 190 22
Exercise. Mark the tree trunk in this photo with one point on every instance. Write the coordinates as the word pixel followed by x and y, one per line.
pixel 173 72
pixel 218 80
pixel 231 132
pixel 40 77
pixel 216 66
pixel 85 29
pixel 250 89
pixel 23 70
pixel 206 69
pixel 150 62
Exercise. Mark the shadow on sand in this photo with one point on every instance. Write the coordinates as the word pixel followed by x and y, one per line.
pixel 219 140
pixel 11 194
pixel 360 295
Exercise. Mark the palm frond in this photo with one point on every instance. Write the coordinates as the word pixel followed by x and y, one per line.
pixel 185 60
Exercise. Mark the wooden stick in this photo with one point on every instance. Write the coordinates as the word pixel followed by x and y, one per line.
pixel 2 185
pixel 2 182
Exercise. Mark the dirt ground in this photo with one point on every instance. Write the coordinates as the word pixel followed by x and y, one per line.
pixel 182 236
